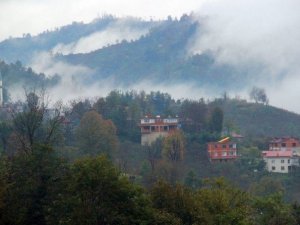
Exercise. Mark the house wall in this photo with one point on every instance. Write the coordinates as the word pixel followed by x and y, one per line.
pixel 278 164
pixel 153 128
pixel 218 151
pixel 286 144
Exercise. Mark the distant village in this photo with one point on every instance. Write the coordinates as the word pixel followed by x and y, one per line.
pixel 281 157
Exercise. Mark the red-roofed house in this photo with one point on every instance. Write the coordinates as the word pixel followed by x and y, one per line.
pixel 285 144
pixel 222 151
pixel 280 161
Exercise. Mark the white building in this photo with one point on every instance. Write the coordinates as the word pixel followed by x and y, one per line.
pixel 154 127
pixel 280 161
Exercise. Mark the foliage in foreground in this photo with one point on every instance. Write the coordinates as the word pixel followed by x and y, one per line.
pixel 40 188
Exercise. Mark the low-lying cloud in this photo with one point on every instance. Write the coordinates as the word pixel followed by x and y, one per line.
pixel 254 32
pixel 122 29
pixel 73 85
pixel 240 33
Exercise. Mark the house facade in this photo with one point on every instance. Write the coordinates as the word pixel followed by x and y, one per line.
pixel 283 154
pixel 155 127
pixel 279 161
pixel 285 144
pixel 222 151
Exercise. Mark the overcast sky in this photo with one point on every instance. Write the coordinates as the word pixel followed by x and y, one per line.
pixel 34 16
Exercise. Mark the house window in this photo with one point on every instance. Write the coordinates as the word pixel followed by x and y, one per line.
pixel 283 144
pixel 288 161
pixel 282 168
pixel 224 146
pixel 275 145
pixel 273 168
pixel 294 144
pixel 224 153
pixel 273 161
pixel 282 161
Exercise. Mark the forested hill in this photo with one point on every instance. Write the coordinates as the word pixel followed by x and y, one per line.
pixel 158 51
pixel 24 48
pixel 17 77
pixel 162 56
pixel 259 120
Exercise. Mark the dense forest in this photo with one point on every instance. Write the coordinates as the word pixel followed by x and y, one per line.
pixel 16 77
pixel 82 163
pixel 23 48
pixel 161 55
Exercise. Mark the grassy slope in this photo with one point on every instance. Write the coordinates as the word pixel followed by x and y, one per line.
pixel 261 120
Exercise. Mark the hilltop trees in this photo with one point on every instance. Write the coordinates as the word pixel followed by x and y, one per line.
pixel 259 95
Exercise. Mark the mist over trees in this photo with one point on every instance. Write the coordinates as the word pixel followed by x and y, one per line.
pixel 83 164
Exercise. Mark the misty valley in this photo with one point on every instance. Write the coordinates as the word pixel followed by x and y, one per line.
pixel 127 121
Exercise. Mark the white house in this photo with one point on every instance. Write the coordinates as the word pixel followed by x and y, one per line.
pixel 280 161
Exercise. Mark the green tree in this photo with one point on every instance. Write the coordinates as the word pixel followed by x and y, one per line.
pixel 31 178
pixel 216 120
pixel 154 152
pixel 96 193
pixel 259 95
pixel 192 181
pixel 173 147
pixel 33 124
pixel 176 201
pixel 96 135
pixel 266 186
pixel 226 204
pixel 5 131
pixel 271 210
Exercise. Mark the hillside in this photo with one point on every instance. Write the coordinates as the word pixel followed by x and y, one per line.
pixel 24 48
pixel 16 77
pixel 259 120
pixel 159 54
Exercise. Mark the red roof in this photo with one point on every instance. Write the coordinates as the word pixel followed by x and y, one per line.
pixel 283 139
pixel 277 153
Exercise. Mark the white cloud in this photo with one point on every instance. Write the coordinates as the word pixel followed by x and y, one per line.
pixel 73 83
pixel 44 62
pixel 122 29
pixel 255 32
pixel 238 32
pixel 35 16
